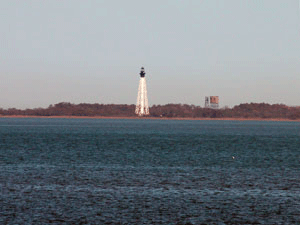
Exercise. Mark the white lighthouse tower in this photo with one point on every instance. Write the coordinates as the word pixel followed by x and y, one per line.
pixel 142 107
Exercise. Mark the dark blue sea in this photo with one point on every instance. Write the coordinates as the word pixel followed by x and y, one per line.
pixel 110 171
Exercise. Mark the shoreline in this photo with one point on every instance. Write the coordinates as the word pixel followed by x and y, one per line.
pixel 153 118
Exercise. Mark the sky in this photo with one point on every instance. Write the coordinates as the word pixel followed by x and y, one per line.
pixel 91 51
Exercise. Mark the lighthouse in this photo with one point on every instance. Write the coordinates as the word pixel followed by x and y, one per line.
pixel 142 107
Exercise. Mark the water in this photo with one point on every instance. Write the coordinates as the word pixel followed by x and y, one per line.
pixel 88 171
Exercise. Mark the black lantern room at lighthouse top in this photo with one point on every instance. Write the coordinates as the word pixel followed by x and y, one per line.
pixel 142 73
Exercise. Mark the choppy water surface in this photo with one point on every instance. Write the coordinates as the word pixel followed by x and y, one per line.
pixel 84 171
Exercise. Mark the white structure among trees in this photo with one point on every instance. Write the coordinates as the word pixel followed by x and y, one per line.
pixel 142 107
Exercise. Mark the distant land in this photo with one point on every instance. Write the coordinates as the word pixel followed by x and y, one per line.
pixel 247 111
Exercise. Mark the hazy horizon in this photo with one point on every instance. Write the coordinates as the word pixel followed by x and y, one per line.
pixel 70 51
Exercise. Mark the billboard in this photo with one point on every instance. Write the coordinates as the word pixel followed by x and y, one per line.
pixel 214 99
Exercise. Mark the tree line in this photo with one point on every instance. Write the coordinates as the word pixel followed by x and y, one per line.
pixel 252 110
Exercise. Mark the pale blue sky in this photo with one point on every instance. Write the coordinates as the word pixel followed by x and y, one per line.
pixel 91 51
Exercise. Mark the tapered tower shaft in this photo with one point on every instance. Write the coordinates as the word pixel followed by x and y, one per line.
pixel 142 107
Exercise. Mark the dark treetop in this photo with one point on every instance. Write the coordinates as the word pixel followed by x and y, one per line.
pixel 252 110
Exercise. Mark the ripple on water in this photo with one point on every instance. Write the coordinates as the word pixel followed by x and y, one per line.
pixel 149 172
